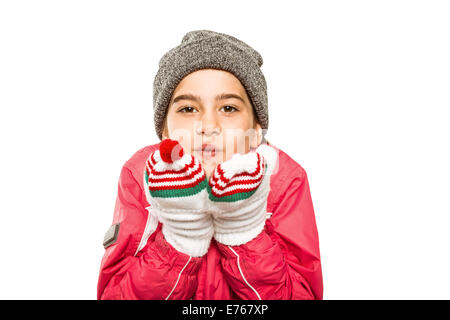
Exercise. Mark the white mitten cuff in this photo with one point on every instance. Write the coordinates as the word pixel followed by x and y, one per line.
pixel 188 231
pixel 234 233
pixel 186 242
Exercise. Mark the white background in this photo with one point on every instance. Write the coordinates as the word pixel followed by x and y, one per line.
pixel 358 95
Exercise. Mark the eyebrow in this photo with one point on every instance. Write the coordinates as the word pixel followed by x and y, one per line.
pixel 222 96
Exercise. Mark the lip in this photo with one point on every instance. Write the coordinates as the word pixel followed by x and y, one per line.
pixel 208 151
pixel 207 147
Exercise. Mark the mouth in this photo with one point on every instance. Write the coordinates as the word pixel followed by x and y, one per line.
pixel 207 150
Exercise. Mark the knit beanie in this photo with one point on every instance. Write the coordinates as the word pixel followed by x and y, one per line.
pixel 204 49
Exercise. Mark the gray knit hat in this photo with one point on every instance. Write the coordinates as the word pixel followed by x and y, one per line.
pixel 203 49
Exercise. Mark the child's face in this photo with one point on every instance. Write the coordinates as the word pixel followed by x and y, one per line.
pixel 228 123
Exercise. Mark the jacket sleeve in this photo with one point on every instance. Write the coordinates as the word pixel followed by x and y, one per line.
pixel 283 261
pixel 157 271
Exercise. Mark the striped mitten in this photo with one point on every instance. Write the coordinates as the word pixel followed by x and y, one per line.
pixel 175 185
pixel 238 190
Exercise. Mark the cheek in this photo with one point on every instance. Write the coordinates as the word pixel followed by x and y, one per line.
pixel 182 131
pixel 237 141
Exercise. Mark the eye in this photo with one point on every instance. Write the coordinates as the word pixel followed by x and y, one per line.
pixel 230 109
pixel 187 110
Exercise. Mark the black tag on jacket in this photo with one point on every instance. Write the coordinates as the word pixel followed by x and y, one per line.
pixel 111 235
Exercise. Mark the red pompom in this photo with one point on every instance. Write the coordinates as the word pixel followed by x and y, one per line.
pixel 170 150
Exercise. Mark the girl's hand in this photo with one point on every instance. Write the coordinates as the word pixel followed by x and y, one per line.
pixel 238 189
pixel 175 184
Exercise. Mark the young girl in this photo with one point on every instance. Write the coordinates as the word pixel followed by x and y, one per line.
pixel 213 211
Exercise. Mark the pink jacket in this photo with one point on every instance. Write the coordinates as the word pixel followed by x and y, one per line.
pixel 282 262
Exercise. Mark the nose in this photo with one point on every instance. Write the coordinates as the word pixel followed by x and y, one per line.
pixel 209 125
